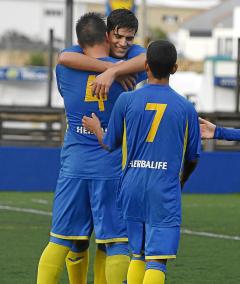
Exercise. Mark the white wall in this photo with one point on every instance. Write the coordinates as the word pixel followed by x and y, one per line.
pixel 31 18
pixel 195 48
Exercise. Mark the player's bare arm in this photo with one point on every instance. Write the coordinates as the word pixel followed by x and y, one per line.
pixel 104 81
pixel 81 61
pixel 93 124
pixel 189 167
pixel 207 128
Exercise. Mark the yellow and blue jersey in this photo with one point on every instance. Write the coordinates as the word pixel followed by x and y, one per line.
pixel 81 154
pixel 158 129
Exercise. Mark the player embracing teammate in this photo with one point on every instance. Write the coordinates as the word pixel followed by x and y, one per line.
pixel 152 135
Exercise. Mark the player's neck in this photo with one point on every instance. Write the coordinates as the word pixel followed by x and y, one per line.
pixel 155 81
pixel 96 51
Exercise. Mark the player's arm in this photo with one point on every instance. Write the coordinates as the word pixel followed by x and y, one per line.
pixel 113 138
pixel 207 128
pixel 211 131
pixel 229 134
pixel 189 167
pixel 93 124
pixel 103 82
pixel 193 145
pixel 81 61
pixel 74 58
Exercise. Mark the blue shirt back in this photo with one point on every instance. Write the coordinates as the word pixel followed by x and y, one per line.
pixel 81 154
pixel 161 130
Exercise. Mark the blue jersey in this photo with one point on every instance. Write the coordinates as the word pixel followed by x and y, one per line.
pixel 230 134
pixel 81 154
pixel 160 129
pixel 134 51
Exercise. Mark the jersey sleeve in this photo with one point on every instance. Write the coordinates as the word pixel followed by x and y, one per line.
pixel 73 48
pixel 58 79
pixel 113 138
pixel 193 148
pixel 230 134
pixel 135 50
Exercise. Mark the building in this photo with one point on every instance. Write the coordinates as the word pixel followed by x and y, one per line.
pixel 34 18
pixel 213 32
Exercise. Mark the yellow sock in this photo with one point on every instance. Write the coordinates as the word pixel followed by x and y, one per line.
pixel 99 267
pixel 117 268
pixel 136 272
pixel 153 276
pixel 77 267
pixel 51 263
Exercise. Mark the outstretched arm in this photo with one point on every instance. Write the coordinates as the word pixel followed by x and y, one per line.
pixel 207 128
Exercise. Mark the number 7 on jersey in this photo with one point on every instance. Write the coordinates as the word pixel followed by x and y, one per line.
pixel 160 109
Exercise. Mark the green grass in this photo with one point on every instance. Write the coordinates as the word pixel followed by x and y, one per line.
pixel 201 260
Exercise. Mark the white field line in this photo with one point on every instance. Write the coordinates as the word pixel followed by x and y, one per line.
pixel 25 210
pixel 40 201
pixel 183 231
pixel 210 235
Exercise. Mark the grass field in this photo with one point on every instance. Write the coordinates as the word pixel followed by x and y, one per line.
pixel 209 249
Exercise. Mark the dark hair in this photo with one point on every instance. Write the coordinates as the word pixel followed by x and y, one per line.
pixel 122 18
pixel 91 29
pixel 161 58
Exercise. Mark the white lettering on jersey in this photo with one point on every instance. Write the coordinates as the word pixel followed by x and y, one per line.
pixel 83 130
pixel 155 165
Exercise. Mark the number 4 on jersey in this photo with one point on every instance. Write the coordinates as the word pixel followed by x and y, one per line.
pixel 160 109
pixel 89 94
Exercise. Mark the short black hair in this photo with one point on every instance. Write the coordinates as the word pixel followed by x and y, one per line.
pixel 122 18
pixel 161 58
pixel 91 29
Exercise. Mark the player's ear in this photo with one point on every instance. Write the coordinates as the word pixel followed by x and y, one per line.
pixel 146 66
pixel 174 69
pixel 107 37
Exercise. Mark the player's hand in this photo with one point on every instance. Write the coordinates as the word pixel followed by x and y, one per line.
pixel 128 82
pixel 207 128
pixel 91 123
pixel 102 83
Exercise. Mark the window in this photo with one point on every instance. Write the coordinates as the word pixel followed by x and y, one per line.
pixel 170 19
pixel 225 46
pixel 52 12
pixel 200 33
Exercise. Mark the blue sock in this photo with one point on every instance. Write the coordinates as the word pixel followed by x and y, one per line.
pixel 102 247
pixel 80 246
pixel 66 243
pixel 117 248
pixel 156 265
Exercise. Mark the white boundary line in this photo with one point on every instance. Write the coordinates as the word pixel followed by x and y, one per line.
pixel 25 210
pixel 183 231
pixel 210 235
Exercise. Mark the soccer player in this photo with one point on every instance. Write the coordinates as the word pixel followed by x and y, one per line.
pixel 122 27
pixel 162 145
pixel 212 131
pixel 89 176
